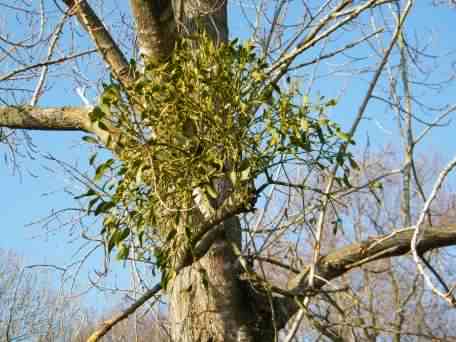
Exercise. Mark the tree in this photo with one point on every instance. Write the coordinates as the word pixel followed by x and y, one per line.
pixel 195 119
pixel 30 309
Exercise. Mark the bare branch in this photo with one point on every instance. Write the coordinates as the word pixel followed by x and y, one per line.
pixel 283 64
pixel 420 233
pixel 47 119
pixel 109 324
pixel 104 42
pixel 351 132
pixel 355 255
pixel 337 51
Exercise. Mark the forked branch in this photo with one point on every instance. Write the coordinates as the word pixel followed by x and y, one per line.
pixel 341 261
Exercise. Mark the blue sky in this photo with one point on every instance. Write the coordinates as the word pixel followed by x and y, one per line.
pixel 41 185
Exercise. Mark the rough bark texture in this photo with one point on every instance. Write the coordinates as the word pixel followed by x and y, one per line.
pixel 206 298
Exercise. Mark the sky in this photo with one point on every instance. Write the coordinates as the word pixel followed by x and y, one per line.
pixel 41 186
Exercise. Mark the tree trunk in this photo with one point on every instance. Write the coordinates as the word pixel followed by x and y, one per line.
pixel 206 298
pixel 208 301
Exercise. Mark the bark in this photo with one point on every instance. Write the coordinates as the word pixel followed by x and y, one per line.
pixel 155 27
pixel 51 119
pixel 57 119
pixel 206 298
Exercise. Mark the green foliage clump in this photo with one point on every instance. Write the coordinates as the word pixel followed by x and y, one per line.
pixel 207 113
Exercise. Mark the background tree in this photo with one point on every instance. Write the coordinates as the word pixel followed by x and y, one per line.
pixel 31 309
pixel 196 119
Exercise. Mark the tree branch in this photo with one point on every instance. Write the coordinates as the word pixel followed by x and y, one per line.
pixel 105 44
pixel 109 324
pixel 57 119
pixel 316 35
pixel 47 63
pixel 210 14
pixel 51 119
pixel 355 255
